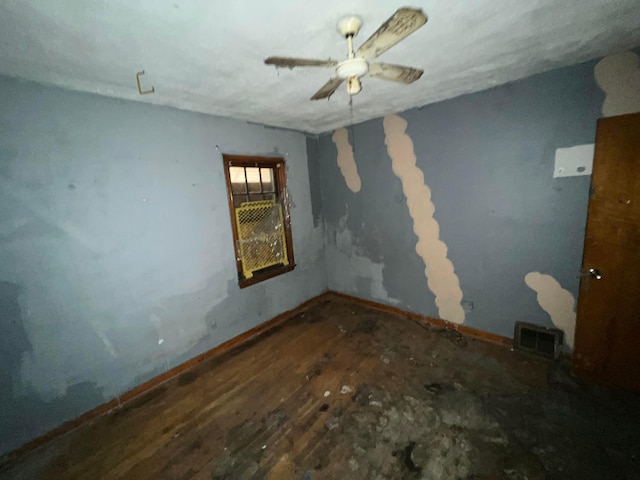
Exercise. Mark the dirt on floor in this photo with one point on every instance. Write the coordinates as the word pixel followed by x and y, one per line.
pixel 465 409
pixel 388 397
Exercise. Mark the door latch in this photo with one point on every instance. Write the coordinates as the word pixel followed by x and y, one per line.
pixel 593 272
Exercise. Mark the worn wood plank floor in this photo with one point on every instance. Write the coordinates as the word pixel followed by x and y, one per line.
pixel 344 392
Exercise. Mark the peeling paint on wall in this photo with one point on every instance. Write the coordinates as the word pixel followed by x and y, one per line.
pixel 618 76
pixel 556 301
pixel 441 278
pixel 191 308
pixel 353 272
pixel 346 159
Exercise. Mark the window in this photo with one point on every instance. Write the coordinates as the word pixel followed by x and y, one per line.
pixel 259 217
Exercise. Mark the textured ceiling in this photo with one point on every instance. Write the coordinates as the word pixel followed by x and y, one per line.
pixel 207 56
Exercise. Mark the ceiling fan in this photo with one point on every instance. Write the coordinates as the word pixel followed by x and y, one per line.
pixel 399 26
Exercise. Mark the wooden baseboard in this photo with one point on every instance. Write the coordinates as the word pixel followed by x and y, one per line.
pixel 125 398
pixel 472 332
pixel 230 345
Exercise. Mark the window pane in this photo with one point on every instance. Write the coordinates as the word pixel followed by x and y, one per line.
pixel 267 180
pixel 239 199
pixel 253 179
pixel 238 184
pixel 257 197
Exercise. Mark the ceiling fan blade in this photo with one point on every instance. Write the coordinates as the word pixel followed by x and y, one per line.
pixel 399 26
pixel 291 62
pixel 328 88
pixel 395 73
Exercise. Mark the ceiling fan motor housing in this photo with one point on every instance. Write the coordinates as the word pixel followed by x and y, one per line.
pixel 349 26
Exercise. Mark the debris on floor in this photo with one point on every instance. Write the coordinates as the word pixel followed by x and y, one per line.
pixel 441 406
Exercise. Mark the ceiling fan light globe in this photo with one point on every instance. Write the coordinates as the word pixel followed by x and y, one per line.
pixel 353 67
pixel 353 85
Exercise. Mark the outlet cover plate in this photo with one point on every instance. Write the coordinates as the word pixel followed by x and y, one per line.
pixel 574 161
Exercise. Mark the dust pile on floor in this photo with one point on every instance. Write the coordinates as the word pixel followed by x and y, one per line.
pixel 440 406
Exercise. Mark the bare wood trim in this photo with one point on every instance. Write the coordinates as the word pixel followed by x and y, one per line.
pixel 472 332
pixel 125 398
pixel 250 160
pixel 234 228
pixel 282 186
pixel 247 282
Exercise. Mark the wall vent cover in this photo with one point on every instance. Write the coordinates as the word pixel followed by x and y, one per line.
pixel 538 339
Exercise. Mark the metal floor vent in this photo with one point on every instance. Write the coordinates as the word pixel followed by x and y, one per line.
pixel 537 339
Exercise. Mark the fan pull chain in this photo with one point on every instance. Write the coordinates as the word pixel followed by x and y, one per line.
pixel 353 129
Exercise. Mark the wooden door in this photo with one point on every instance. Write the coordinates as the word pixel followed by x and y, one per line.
pixel 607 345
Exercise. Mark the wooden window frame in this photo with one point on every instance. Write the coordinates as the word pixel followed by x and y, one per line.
pixel 277 164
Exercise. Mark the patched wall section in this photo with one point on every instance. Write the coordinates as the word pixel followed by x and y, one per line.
pixel 116 253
pixel 352 271
pixel 488 160
pixel 559 303
pixel 618 75
pixel 439 270
pixel 346 160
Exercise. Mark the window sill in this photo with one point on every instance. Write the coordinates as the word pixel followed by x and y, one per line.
pixel 264 276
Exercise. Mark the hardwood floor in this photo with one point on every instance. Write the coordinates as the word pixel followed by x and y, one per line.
pixel 344 392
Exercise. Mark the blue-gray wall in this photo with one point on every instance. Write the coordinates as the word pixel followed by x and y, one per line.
pixel 116 254
pixel 488 159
